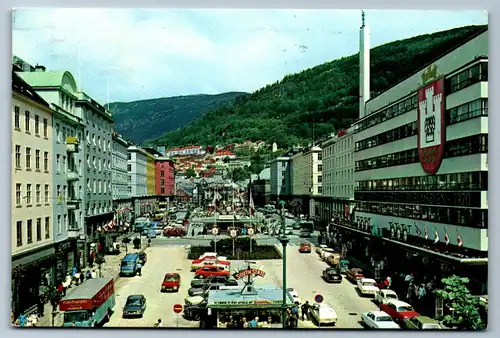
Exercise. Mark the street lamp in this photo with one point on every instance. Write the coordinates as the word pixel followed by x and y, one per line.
pixel 215 232
pixel 284 241
pixel 233 234
pixel 250 232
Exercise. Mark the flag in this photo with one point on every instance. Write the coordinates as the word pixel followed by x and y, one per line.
pixel 460 243
pixel 426 233
pixel 446 237
pixel 417 229
pixel 250 203
pixel 436 236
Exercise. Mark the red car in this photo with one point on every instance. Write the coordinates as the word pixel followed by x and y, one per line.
pixel 211 271
pixel 354 274
pixel 177 231
pixel 398 310
pixel 305 247
pixel 172 281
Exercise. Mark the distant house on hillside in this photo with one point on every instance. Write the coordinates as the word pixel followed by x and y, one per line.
pixel 222 154
pixel 185 151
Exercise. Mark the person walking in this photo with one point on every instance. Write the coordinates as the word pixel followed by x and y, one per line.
pixel 305 310
pixel 139 269
pixel 159 323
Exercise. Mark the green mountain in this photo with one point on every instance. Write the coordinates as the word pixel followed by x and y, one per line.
pixel 146 119
pixel 327 95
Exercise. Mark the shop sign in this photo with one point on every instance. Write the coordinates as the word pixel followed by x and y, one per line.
pixel 63 246
pixel 248 302
pixel 249 272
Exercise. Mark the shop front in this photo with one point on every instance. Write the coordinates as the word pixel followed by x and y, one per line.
pixel 29 271
pixel 66 258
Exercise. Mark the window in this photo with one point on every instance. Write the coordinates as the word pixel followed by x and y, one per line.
pixel 64 164
pixel 58 133
pixel 320 157
pixel 17 118
pixel 28 195
pixel 38 229
pixel 45 127
pixel 46 161
pixel 37 125
pixel 59 225
pixel 320 179
pixel 18 156
pixel 129 167
pixel 320 167
pixel 46 194
pixel 467 111
pixel 58 163
pixel 19 200
pixel 29 231
pixel 47 227
pixel 65 222
pixel 27 121
pixel 87 136
pixel 129 156
pixel 162 190
pixel 320 190
pixel 162 173
pixel 28 158
pixel 19 233
pixel 38 194
pixel 37 160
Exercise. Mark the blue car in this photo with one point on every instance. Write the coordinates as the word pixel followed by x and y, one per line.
pixel 151 233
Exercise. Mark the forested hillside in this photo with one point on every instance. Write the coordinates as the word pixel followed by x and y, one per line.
pixel 327 94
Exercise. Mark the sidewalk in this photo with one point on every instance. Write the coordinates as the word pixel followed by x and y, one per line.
pixel 109 269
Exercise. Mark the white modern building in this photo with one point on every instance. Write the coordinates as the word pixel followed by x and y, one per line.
pixel 137 170
pixel 185 151
pixel 307 179
pixel 421 159
pixel 338 175
pixel 120 176
pixel 281 174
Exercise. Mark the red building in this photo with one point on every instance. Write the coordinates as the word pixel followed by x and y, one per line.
pixel 165 177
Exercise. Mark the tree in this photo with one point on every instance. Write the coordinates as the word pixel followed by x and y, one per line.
pixel 226 159
pixel 190 173
pixel 240 174
pixel 466 314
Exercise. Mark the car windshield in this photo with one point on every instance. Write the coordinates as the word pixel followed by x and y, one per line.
pixel 431 326
pixel 134 302
pixel 405 308
pixel 75 316
pixel 391 296
pixel 384 319
pixel 127 263
pixel 331 272
pixel 170 278
pixel 369 284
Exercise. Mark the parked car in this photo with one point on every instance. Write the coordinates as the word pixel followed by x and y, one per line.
pixel 294 295
pixel 197 283
pixel 198 263
pixel 354 274
pixel 211 271
pixel 143 257
pixel 197 311
pixel 305 233
pixel 151 233
pixel 194 300
pixel 399 310
pixel 212 287
pixel 305 247
pixel 367 287
pixel 296 226
pixel 134 306
pixel 331 275
pixel 323 314
pixel 171 281
pixel 378 320
pixel 421 323
pixel 333 259
pixel 320 248
pixel 326 253
pixel 385 295
pixel 204 264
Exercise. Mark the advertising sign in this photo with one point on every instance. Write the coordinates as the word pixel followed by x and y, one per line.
pixel 247 272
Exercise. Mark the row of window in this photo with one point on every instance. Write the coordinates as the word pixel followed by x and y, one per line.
pixel 97 208
pixel 469 76
pixel 98 164
pixel 98 186
pixel 476 218
pixel 61 134
pixel 28 165
pixel 461 181
pixel 96 142
pixel 29 230
pixel 28 198
pixel 339 175
pixel 339 190
pixel 467 111
pixel 27 122
pixel 460 147
pixel 101 122
pixel 338 147
pixel 395 134
pixel 338 161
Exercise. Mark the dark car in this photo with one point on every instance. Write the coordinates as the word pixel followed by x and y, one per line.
pixel 331 275
pixel 134 306
pixel 305 233
pixel 198 283
pixel 196 312
pixel 143 258
pixel 198 291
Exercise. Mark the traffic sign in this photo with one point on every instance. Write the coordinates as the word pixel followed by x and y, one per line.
pixel 215 231
pixel 177 308
pixel 250 231
pixel 318 298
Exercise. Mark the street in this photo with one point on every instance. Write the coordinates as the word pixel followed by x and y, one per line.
pixel 303 274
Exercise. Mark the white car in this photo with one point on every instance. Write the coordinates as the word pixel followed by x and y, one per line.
pixel 368 287
pixel 385 295
pixel 326 253
pixel 320 249
pixel 194 300
pixel 324 314
pixel 378 320
pixel 294 295
pixel 196 266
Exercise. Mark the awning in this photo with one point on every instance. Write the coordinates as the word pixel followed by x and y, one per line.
pixel 33 255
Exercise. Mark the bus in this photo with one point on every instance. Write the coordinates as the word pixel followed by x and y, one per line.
pixel 307 225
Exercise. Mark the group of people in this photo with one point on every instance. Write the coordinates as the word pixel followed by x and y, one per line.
pixel 243 323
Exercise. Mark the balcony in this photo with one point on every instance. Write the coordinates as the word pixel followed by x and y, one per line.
pixel 73 176
pixel 72 144
pixel 73 203
pixel 74 230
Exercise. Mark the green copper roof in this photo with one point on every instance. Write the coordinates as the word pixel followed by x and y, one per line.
pixel 50 79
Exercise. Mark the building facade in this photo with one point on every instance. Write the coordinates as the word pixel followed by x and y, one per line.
pixel 281 174
pixel 137 167
pixel 165 176
pixel 122 197
pixel 421 162
pixel 338 176
pixel 98 209
pixel 150 175
pixel 60 89
pixel 307 178
pixel 32 234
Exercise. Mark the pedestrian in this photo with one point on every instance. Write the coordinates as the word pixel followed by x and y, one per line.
pixel 82 277
pixel 94 274
pixel 305 310
pixel 409 292
pixel 139 269
pixel 88 275
pixel 159 323
pixel 40 307
pixel 254 323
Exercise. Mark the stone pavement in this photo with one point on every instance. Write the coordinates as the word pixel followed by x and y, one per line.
pixel 109 269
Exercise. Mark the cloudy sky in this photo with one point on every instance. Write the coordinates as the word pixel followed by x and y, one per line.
pixel 141 54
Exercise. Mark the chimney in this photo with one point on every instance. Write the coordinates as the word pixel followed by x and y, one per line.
pixel 40 68
pixel 364 65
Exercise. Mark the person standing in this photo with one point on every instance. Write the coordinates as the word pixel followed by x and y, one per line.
pixel 139 269
pixel 305 310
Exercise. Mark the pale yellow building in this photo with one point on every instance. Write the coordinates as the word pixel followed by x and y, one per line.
pixel 151 175
pixel 31 206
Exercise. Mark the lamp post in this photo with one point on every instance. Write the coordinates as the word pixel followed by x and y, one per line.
pixel 284 241
pixel 250 232
pixel 215 232
pixel 233 234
